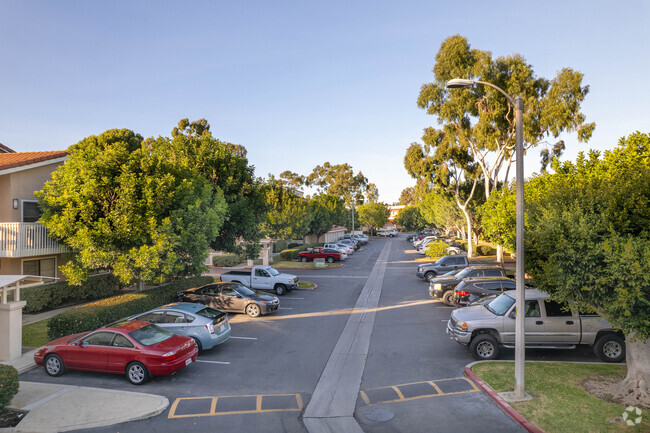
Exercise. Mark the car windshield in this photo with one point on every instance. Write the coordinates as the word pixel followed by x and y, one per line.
pixel 273 271
pixel 500 305
pixel 210 313
pixel 439 261
pixel 150 335
pixel 462 274
pixel 243 290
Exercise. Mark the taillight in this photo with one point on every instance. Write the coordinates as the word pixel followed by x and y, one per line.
pixel 169 356
pixel 462 293
pixel 210 327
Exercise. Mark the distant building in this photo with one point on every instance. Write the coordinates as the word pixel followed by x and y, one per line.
pixel 393 211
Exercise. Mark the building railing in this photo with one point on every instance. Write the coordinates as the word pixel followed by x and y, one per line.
pixel 27 240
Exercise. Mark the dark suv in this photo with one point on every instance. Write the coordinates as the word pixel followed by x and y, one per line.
pixel 443 286
pixel 472 289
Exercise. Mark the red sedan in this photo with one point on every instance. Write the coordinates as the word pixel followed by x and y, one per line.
pixel 134 348
pixel 316 253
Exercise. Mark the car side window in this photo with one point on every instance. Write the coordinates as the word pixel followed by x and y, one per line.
pixel 532 309
pixel 99 339
pixel 228 291
pixel 174 317
pixel 153 317
pixel 493 273
pixel 474 274
pixel 121 341
pixel 261 273
pixel 458 261
pixel 555 309
pixel 508 285
pixel 492 285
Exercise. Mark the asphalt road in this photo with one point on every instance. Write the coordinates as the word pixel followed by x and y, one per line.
pixel 263 377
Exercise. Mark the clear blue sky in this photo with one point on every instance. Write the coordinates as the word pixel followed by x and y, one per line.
pixel 298 83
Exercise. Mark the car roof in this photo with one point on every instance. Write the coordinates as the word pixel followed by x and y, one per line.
pixel 187 307
pixel 482 279
pixel 126 325
pixel 473 267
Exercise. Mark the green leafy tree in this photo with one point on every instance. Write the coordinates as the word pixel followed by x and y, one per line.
pixel 122 205
pixel 289 216
pixel 372 193
pixel 588 242
pixel 408 197
pixel 436 249
pixel 410 218
pixel 340 181
pixel 439 209
pixel 374 215
pixel 225 165
pixel 325 211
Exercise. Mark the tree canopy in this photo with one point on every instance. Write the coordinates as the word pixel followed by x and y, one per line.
pixel 410 218
pixel 339 180
pixel 373 214
pixel 121 204
pixel 288 216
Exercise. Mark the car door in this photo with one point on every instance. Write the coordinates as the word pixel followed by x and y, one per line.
pixel 176 322
pixel 230 299
pixel 561 324
pixel 262 280
pixel 92 352
pixel 533 324
pixel 120 353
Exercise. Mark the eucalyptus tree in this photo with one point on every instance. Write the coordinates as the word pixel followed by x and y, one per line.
pixel 373 214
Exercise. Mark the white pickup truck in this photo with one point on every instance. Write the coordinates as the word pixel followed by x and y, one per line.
pixel 263 278
pixel 548 325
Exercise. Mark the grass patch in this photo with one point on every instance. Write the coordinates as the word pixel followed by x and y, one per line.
pixel 306 285
pixel 289 264
pixel 35 335
pixel 561 404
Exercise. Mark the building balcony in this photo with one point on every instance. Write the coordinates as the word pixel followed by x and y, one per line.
pixel 27 240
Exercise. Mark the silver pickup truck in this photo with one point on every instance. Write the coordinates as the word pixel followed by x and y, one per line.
pixel 548 325
pixel 263 278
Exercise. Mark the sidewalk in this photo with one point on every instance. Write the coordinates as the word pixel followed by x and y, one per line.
pixel 58 408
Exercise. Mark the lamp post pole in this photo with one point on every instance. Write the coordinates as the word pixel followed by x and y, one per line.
pixel 520 340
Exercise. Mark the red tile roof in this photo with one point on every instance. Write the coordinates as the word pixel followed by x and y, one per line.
pixel 17 159
pixel 5 149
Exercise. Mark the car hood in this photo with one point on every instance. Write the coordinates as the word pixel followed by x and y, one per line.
pixel 64 340
pixel 263 297
pixel 471 313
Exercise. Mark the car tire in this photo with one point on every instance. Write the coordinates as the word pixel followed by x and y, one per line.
pixel 484 347
pixel 448 298
pixel 610 348
pixel 137 373
pixel 199 346
pixel 330 259
pixel 54 365
pixel 280 289
pixel 304 259
pixel 429 276
pixel 253 310
pixel 452 253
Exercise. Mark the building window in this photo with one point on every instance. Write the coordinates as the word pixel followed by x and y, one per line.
pixel 31 211
pixel 40 267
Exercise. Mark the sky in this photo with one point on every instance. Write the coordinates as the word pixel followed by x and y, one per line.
pixel 299 83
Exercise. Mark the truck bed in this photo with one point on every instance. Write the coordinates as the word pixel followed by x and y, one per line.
pixel 248 273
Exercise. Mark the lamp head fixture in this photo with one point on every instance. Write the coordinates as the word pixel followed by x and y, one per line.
pixel 458 83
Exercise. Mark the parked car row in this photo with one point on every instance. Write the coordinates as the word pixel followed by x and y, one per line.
pixel 331 252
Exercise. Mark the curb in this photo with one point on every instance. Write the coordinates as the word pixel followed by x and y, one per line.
pixel 519 418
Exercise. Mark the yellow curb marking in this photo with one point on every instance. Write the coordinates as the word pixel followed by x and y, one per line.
pixel 213 405
pixel 439 392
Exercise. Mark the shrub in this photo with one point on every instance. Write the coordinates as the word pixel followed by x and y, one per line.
pixel 485 250
pixel 436 249
pixel 290 254
pixel 91 316
pixel 8 384
pixel 225 260
pixel 50 296
pixel 293 245
pixel 279 246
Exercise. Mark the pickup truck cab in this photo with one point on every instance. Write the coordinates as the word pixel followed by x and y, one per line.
pixel 487 327
pixel 263 278
pixel 429 271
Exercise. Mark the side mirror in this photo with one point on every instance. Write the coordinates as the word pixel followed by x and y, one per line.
pixel 80 343
pixel 513 314
pixel 238 296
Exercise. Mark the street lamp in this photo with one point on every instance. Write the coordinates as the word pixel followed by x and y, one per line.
pixel 520 342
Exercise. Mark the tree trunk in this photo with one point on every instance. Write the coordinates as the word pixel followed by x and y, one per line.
pixel 634 390
pixel 470 240
pixel 500 255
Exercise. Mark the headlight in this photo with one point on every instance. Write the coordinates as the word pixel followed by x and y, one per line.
pixel 437 286
pixel 462 326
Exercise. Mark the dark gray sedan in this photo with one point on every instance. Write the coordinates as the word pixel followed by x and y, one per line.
pixel 232 297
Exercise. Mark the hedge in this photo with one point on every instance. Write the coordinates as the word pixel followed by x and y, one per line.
pixel 436 249
pixel 485 250
pixel 50 296
pixel 293 245
pixel 8 384
pixel 279 246
pixel 91 316
pixel 225 260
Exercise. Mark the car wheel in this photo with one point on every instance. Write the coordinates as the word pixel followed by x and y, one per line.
pixel 610 348
pixel 137 373
pixel 304 259
pixel 198 343
pixel 253 310
pixel 484 346
pixel 429 276
pixel 452 253
pixel 280 289
pixel 448 298
pixel 330 259
pixel 54 365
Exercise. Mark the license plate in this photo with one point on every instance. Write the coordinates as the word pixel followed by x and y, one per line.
pixel 188 361
pixel 222 328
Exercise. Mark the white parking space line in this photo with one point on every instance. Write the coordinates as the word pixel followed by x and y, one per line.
pixel 244 338
pixel 290 299
pixel 213 362
pixel 446 306
pixel 284 308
